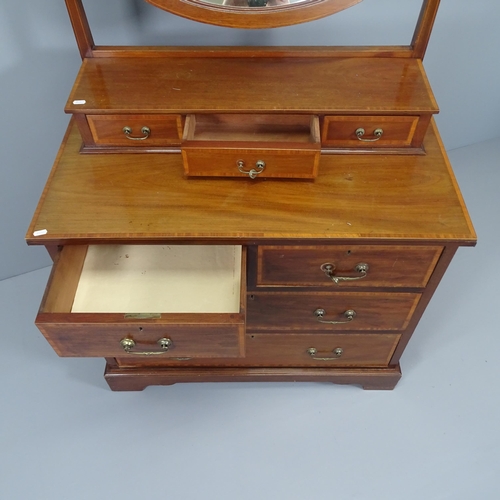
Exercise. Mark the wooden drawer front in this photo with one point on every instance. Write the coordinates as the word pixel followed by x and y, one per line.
pixel 388 266
pixel 108 130
pixel 83 336
pixel 251 146
pixel 298 311
pixel 350 349
pixel 99 296
pixel 397 131
pixel 214 162
pixel 296 349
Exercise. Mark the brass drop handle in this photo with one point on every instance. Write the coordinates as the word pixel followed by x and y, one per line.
pixel 312 351
pixel 146 132
pixel 253 172
pixel 350 314
pixel 128 344
pixel 360 132
pixel 361 268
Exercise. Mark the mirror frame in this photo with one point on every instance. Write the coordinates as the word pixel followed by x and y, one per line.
pixel 254 17
pixel 416 49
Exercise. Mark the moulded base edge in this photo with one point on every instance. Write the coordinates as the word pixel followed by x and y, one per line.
pixel 137 379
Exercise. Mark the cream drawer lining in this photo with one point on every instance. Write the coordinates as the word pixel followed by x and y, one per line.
pixel 160 279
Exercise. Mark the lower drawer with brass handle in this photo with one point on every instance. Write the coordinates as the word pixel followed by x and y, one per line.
pixel 330 311
pixel 111 336
pixel 323 349
pixel 340 349
pixel 346 266
pixel 294 349
pixel 146 301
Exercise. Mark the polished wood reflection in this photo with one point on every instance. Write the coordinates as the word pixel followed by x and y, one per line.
pixel 147 197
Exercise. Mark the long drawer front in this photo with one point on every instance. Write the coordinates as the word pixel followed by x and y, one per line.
pixel 324 350
pixel 330 311
pixel 346 266
pixel 143 340
pixel 296 349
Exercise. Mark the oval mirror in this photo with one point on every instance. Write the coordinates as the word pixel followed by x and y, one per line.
pixel 253 14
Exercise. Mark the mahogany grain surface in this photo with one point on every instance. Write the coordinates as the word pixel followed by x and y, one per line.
pixel 372 198
pixel 251 84
pixel 388 266
pixel 289 311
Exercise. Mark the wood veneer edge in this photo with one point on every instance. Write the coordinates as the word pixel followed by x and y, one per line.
pixel 427 84
pixel 76 84
pixel 30 238
pixel 396 51
pixel 454 182
pixel 249 239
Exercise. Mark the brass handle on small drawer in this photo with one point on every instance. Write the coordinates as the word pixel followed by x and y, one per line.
pixel 312 351
pixel 360 132
pixel 129 344
pixel 360 268
pixel 252 173
pixel 146 131
pixel 350 314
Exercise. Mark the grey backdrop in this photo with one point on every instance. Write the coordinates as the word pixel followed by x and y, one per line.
pixel 39 61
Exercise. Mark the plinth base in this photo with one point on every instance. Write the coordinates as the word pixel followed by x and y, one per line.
pixel 137 379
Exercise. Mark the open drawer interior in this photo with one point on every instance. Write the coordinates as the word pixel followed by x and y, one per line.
pixel 194 294
pixel 258 128
pixel 160 278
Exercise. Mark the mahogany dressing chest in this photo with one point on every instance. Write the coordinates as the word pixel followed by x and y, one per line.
pixel 292 227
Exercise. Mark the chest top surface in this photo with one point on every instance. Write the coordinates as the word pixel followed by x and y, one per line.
pixel 94 198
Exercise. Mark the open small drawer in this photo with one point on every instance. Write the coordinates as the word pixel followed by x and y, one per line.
pixel 177 301
pixel 251 146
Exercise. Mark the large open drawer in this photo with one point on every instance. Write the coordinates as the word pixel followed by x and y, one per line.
pixel 146 300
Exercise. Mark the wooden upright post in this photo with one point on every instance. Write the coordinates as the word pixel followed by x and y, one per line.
pixel 81 27
pixel 424 28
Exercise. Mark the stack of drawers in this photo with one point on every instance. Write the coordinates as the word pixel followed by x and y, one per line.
pixel 333 277
pixel 322 306
pixel 334 305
